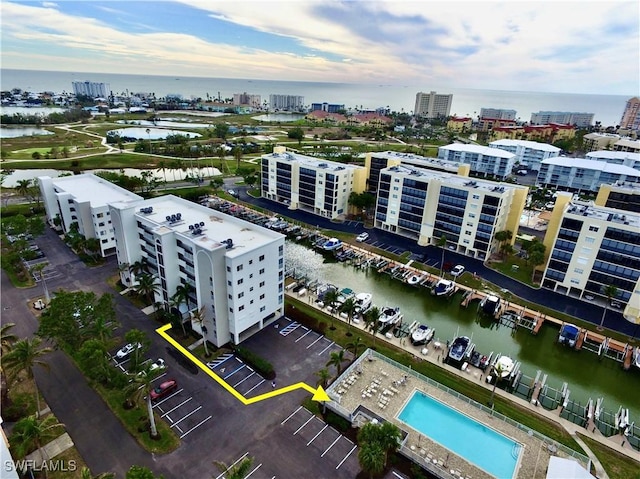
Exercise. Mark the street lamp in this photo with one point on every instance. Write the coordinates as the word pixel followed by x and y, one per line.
pixel 149 135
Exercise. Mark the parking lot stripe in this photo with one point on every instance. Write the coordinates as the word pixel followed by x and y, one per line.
pixel 345 457
pixel 307 422
pixel 233 372
pixel 195 427
pixel 185 417
pixel 332 343
pixel 319 338
pixel 255 386
pixel 291 415
pixel 314 437
pixel 243 380
pixel 258 467
pixel 228 468
pixel 173 409
pixel 303 335
pixel 327 449
pixel 168 397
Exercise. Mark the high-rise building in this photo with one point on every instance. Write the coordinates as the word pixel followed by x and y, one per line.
pixel 528 153
pixel 254 101
pixel 581 120
pixel 286 102
pixel 631 115
pixel 498 113
pixel 433 105
pixel 482 159
pixel 92 89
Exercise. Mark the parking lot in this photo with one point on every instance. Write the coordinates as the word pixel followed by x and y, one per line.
pixel 316 343
pixel 238 375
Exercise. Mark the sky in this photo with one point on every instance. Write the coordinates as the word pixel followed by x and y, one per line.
pixel 575 46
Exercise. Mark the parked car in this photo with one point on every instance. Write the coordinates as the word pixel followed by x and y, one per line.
pixel 457 270
pixel 164 389
pixel 233 193
pixel 362 237
pixel 157 365
pixel 127 349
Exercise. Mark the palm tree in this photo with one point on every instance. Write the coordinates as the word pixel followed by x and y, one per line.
pixel 6 342
pixel 372 458
pixel 497 371
pixel 25 356
pixel 139 390
pixel 349 308
pixel 323 378
pixel 336 361
pixel 354 346
pixel 22 187
pixel 85 473
pixel 610 291
pixel 385 436
pixel 371 318
pixel 30 432
pixel 162 167
pixel 442 242
pixel 199 317
pixel 147 286
pixel 139 267
pixel 237 471
pixel 330 298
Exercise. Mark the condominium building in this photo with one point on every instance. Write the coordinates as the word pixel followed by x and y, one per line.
pixel 433 105
pixel 235 269
pixel 581 120
pixel 286 102
pixel 498 113
pixel 459 124
pixel 482 159
pixel 427 205
pixel 598 141
pixel 528 153
pixel 490 123
pixel 632 160
pixel 319 186
pixel 84 200
pixel 581 174
pixel 627 144
pixel 631 115
pixel 243 99
pixel 328 107
pixel 620 196
pixel 92 89
pixel 592 247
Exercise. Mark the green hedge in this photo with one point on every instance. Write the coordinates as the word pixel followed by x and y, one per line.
pixel 262 366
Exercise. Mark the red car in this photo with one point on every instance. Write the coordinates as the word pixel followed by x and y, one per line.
pixel 163 389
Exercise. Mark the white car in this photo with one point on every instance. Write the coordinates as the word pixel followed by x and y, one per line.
pixel 127 349
pixel 157 365
pixel 362 237
pixel 457 270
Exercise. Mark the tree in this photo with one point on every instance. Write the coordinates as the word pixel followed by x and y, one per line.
pixel 29 434
pixel 330 298
pixel 139 391
pixel 610 291
pixel 94 362
pixel 385 436
pixel 336 361
pixel 162 167
pixel 502 237
pixel 140 472
pixel 25 356
pixel 349 308
pixel 354 346
pixel 85 473
pixel 237 154
pixel 250 180
pixel 22 187
pixel 296 134
pixel 442 243
pixel 236 471
pixel 497 371
pixel 371 318
pixel 139 267
pixel 147 286
pixel 7 338
pixel 199 317
pixel 135 336
pixel 222 130
pixel 371 458
pixel 323 378
pixel 216 183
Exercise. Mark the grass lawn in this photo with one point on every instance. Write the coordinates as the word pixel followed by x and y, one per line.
pixel 615 464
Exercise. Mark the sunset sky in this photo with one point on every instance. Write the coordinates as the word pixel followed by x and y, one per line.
pixel 535 45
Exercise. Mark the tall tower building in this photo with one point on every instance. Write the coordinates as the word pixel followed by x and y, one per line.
pixel 631 115
pixel 433 105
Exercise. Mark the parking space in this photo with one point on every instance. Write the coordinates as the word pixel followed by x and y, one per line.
pixel 258 469
pixel 314 342
pixel 242 377
pixel 322 438
pixel 48 272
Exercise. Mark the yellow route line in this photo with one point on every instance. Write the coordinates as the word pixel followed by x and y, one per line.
pixel 319 393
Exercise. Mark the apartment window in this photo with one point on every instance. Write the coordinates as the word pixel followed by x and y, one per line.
pixel 99 215
pixel 262 284
pixel 476 197
pixel 231 310
pixel 240 281
pixel 240 295
pixel 229 283
pixel 230 296
pixel 250 261
pixel 241 308
pixel 261 258
pixel 239 268
pixel 590 240
pixel 262 296
pixel 210 281
pixel 251 302
pixel 281 250
pixel 263 308
pixel 228 269
pixel 251 289
pixel 262 271
pixel 594 228
pixel 578 270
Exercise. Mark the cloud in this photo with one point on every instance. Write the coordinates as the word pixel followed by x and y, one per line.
pixel 514 45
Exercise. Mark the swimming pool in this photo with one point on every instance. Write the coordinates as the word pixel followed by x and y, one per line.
pixel 479 444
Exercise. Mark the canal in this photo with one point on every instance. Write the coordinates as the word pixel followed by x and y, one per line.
pixel 587 374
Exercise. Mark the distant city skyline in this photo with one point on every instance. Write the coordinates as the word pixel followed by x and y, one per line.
pixel 578 47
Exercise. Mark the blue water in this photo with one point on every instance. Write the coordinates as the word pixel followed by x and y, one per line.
pixel 487 449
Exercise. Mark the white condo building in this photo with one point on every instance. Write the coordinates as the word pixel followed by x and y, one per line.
pixel 528 153
pixel 286 102
pixel 92 89
pixel 433 105
pixel 632 160
pixel 498 113
pixel 581 120
pixel 582 174
pixel 321 187
pixel 84 199
pixel 482 159
pixel 235 268
pixel 426 205
pixel 592 247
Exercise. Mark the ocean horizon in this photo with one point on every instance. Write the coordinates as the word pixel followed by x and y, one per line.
pixel 401 98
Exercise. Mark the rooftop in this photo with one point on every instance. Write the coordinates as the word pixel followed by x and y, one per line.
pixel 621 155
pixel 93 189
pixel 602 213
pixel 483 150
pixel 312 162
pixel 424 161
pixel 534 145
pixel 214 228
pixel 586 164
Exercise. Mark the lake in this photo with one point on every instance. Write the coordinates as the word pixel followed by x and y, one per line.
pixel 18 131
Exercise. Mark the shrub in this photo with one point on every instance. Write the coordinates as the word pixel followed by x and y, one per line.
pixel 264 367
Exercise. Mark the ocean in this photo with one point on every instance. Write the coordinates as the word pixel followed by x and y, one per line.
pixel 401 98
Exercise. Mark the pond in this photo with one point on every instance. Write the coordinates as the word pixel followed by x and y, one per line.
pixel 166 123
pixel 283 117
pixel 27 111
pixel 587 375
pixel 151 133
pixel 18 131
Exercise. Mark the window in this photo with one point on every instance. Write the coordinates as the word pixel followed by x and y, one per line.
pixel 593 228
pixel 262 271
pixel 250 261
pixel 231 310
pixel 578 270
pixel 590 240
pixel 251 289
pixel 228 269
pixel 261 258
pixel 240 281
pixel 281 250
pixel 241 308
pixel 229 283
pixel 230 296
pixel 251 302
pixel 261 284
pixel 263 308
pixel 239 268
pixel 476 197
pixel 262 296
pixel 240 295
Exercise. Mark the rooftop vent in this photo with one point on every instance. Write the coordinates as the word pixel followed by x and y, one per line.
pixel 229 243
pixel 147 210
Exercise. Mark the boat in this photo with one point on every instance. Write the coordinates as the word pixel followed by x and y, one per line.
pixel 458 349
pixel 443 287
pixel 363 302
pixel 490 305
pixel 503 366
pixel 479 360
pixel 414 279
pixel 568 334
pixel 422 335
pixel 332 244
pixel 390 315
pixel 344 294
pixel 636 357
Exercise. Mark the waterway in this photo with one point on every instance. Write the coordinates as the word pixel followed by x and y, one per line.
pixel 587 375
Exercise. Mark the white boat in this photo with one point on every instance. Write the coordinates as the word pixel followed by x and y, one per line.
pixel 490 304
pixel 390 315
pixel 636 357
pixel 503 366
pixel 422 335
pixel 332 245
pixel 363 302
pixel 443 287
pixel 568 334
pixel 414 279
pixel 458 349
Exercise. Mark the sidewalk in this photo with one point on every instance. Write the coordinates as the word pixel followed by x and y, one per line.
pixel 52 449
